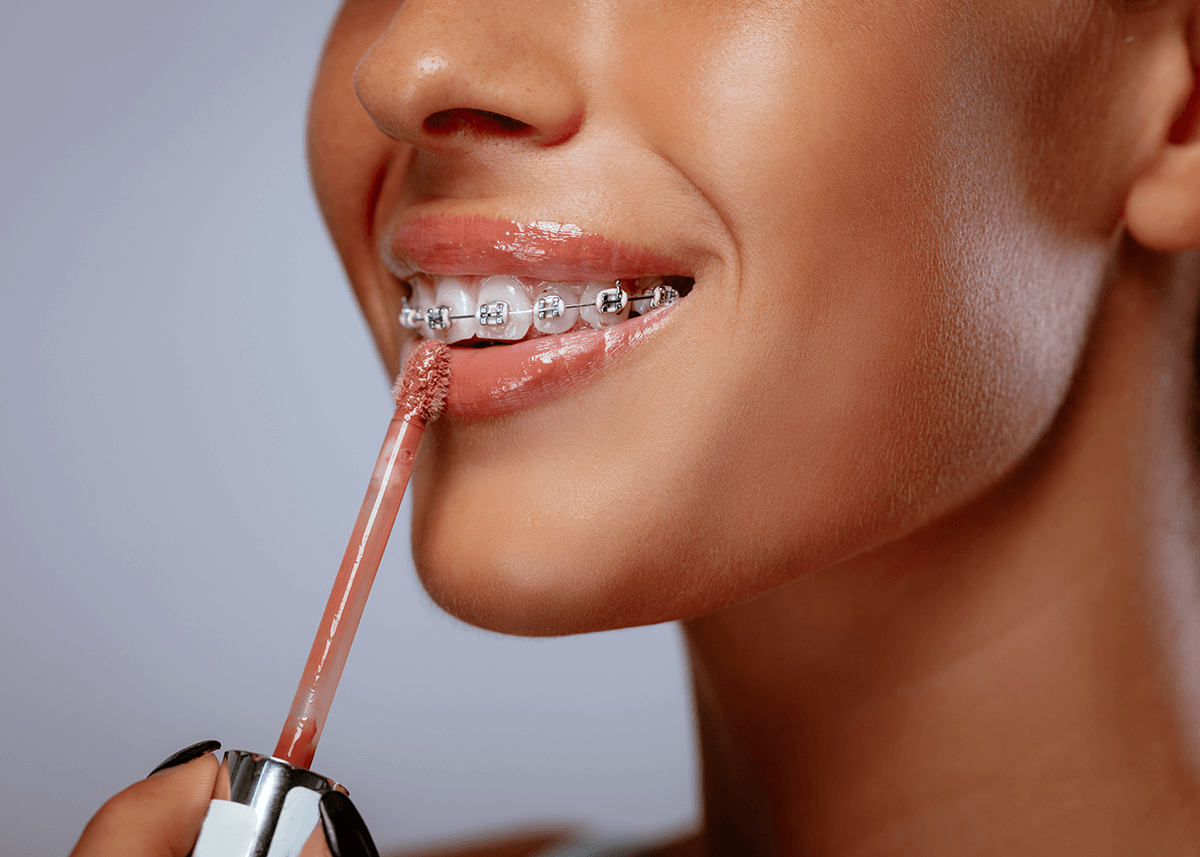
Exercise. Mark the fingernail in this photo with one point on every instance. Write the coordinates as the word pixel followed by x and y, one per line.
pixel 186 755
pixel 346 833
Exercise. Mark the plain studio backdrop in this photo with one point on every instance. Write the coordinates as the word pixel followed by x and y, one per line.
pixel 190 409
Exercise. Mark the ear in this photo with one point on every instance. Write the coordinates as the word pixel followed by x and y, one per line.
pixel 1162 211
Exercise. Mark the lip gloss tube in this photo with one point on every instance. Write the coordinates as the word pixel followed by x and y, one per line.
pixel 268 806
pixel 261 807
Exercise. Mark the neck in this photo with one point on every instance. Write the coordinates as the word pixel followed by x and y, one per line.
pixel 1019 678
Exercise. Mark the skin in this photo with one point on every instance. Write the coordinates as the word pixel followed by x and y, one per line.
pixel 913 462
pixel 848 185
pixel 156 817
pixel 161 816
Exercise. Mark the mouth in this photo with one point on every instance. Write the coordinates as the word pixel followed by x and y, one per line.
pixel 531 311
pixel 481 311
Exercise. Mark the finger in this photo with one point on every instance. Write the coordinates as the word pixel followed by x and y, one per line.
pixel 157 817
pixel 195 751
pixel 345 831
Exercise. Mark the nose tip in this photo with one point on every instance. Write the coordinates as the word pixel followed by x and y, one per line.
pixel 443 85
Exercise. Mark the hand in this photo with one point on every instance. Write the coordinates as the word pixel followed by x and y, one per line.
pixel 161 816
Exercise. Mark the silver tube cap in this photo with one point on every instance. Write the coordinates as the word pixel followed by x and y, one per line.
pixel 261 807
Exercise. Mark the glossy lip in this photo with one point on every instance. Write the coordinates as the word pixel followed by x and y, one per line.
pixel 471 244
pixel 503 379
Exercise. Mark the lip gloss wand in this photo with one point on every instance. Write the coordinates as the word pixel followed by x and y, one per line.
pixel 269 806
pixel 420 395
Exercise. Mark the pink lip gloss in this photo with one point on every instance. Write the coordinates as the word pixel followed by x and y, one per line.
pixel 265 806
pixel 298 740
pixel 472 244
pixel 502 380
pixel 420 393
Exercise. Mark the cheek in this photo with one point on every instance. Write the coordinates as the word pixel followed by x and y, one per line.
pixel 344 145
pixel 349 158
pixel 909 324
pixel 901 327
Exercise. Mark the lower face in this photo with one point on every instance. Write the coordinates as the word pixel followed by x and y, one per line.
pixel 890 293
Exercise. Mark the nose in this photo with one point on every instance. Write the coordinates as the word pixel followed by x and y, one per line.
pixel 452 75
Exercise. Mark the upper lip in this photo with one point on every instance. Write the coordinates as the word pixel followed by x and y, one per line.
pixel 468 244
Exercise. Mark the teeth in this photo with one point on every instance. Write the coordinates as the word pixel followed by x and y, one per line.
pixel 413 316
pixel 604 304
pixel 663 296
pixel 438 318
pixel 505 311
pixel 503 308
pixel 658 292
pixel 423 294
pixel 554 310
pixel 460 298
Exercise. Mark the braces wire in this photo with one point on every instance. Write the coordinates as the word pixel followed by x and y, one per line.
pixel 495 313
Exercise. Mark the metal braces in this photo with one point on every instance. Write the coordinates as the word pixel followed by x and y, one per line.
pixel 495 313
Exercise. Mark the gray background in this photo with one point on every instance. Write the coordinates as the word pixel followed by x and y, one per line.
pixel 189 412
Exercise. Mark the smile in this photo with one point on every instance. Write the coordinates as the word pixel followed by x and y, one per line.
pixel 533 311
pixel 490 310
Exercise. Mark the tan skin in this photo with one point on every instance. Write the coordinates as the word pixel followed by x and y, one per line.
pixel 931 528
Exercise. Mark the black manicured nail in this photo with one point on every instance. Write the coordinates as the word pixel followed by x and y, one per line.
pixel 345 831
pixel 186 755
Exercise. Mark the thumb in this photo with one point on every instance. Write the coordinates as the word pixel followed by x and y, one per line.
pixel 157 817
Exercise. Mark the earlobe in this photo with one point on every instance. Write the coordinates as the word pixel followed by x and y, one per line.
pixel 1162 210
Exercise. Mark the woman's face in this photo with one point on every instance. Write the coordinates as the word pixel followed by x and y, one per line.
pixel 896 214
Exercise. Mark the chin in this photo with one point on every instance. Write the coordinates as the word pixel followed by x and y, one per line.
pixel 521 550
pixel 514 554
pixel 521 527
pixel 477 561
pixel 504 586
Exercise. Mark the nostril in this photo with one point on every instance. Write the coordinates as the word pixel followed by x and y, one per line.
pixel 481 122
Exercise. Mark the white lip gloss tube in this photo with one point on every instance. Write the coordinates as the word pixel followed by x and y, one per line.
pixel 261 807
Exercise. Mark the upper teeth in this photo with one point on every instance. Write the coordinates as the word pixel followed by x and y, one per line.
pixel 505 308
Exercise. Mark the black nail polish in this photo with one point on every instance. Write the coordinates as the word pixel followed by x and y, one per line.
pixel 186 755
pixel 345 831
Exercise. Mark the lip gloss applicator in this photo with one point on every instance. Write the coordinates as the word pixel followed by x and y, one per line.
pixel 420 394
pixel 267 806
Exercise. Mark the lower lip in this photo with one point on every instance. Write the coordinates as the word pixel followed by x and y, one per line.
pixel 504 379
